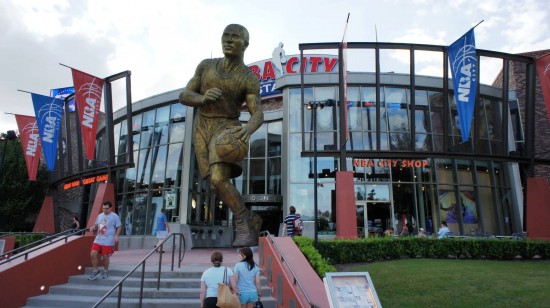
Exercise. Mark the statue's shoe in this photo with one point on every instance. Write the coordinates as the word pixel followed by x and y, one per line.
pixel 248 231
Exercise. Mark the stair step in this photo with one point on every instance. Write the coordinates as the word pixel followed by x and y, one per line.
pixel 177 288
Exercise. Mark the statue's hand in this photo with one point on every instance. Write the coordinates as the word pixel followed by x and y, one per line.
pixel 211 96
pixel 240 132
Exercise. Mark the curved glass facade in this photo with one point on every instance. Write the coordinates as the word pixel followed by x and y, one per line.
pixel 410 166
pixel 472 196
pixel 155 180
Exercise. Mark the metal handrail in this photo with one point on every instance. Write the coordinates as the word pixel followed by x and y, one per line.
pixel 296 281
pixel 118 285
pixel 8 234
pixel 24 250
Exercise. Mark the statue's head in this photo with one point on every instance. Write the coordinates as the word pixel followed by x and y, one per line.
pixel 234 40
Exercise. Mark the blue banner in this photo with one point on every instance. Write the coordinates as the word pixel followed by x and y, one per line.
pixel 463 62
pixel 49 112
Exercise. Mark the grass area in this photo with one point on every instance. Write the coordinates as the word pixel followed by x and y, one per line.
pixel 459 283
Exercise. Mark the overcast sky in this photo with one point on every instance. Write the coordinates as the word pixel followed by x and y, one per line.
pixel 162 41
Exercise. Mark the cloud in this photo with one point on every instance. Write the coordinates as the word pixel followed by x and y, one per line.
pixel 162 42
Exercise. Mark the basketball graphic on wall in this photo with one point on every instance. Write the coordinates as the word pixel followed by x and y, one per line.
pixel 230 148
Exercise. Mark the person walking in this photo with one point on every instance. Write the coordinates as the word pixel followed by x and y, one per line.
pixel 76 223
pixel 162 229
pixel 247 276
pixel 289 221
pixel 107 225
pixel 211 278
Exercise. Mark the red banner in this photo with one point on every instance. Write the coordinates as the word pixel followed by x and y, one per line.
pixel 543 70
pixel 30 139
pixel 88 92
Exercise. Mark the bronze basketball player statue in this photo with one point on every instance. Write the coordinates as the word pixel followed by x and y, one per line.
pixel 217 90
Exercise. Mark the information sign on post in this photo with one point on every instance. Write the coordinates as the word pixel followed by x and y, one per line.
pixel 351 290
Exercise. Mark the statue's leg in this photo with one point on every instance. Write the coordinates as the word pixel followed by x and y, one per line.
pixel 247 224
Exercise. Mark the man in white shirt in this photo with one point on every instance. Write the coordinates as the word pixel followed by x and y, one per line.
pixel 107 225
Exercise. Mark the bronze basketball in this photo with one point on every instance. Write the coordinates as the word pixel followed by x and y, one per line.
pixel 230 148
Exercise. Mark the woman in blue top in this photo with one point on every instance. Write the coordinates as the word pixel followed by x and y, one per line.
pixel 247 275
pixel 211 278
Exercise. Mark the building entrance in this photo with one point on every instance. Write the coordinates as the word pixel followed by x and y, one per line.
pixel 271 213
pixel 373 218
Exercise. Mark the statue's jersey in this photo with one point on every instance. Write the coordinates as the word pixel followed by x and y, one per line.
pixel 233 94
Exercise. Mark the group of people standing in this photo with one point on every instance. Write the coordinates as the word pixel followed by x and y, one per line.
pixel 244 279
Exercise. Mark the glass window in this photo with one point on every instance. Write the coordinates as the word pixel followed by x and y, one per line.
pixel 257 176
pixel 369 109
pixel 298 166
pixel 116 135
pixel 295 108
pixel 122 147
pixel 147 126
pixel 274 175
pixel 421 120
pixel 422 142
pixel 126 212
pixel 377 192
pixel 136 131
pixel 157 201
pixel 397 109
pixel 355 141
pixel 174 160
pixel 131 174
pixel 257 142
pixel 163 114
pixel 301 196
pixel 143 169
pixel 161 126
pixel 420 97
pixel 400 141
pixel 324 93
pixel 274 138
pixel 326 118
pixel 139 215
pixel 177 123
pixel 369 141
pixel 354 109
pixel 383 141
pixel 159 166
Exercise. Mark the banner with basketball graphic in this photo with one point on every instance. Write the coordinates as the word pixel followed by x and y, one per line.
pixel 49 113
pixel 30 140
pixel 88 93
pixel 463 62
pixel 543 70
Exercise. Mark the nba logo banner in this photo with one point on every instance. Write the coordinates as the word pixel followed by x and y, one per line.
pixel 463 61
pixel 48 111
pixel 88 93
pixel 30 140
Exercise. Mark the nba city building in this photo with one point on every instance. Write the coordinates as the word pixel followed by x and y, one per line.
pixel 395 126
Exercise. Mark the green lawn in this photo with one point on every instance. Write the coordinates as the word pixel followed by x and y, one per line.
pixel 460 283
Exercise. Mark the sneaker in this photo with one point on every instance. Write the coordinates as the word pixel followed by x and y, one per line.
pixel 93 276
pixel 105 274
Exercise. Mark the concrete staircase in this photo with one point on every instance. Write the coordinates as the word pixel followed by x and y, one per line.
pixel 179 288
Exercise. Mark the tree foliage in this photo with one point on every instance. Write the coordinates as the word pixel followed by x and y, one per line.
pixel 20 199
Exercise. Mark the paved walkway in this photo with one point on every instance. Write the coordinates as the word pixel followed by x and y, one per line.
pixel 197 258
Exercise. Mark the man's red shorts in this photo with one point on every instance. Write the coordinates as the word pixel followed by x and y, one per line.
pixel 104 250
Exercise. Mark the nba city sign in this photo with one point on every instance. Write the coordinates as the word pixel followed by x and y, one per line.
pixel 279 65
